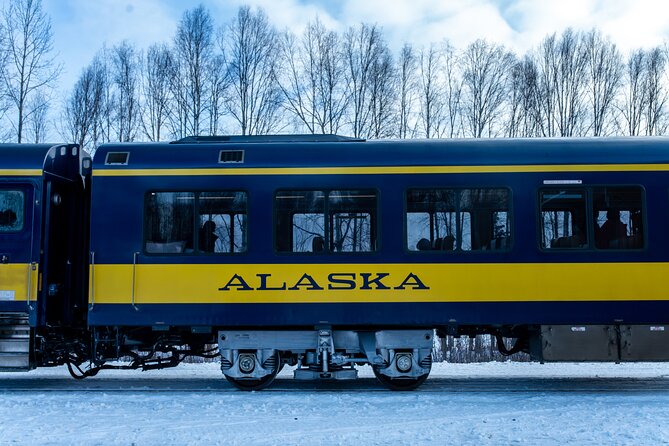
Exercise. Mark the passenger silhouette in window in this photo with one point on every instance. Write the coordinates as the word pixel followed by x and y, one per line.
pixel 423 245
pixel 208 237
pixel 612 229
pixel 7 217
pixel 317 244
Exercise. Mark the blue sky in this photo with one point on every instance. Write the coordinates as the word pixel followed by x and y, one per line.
pixel 81 27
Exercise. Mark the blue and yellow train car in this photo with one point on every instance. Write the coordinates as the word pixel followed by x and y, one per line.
pixel 44 195
pixel 326 252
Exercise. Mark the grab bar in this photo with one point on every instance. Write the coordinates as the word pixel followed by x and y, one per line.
pixel 92 281
pixel 31 267
pixel 134 275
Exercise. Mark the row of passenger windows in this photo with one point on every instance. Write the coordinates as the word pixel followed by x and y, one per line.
pixel 346 221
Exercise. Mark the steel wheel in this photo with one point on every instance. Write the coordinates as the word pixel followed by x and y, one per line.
pixel 256 384
pixel 400 384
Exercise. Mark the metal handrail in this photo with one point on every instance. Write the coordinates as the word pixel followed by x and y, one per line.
pixel 135 255
pixel 92 281
pixel 31 267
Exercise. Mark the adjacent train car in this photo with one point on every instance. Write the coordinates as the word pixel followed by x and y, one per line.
pixel 326 252
pixel 44 204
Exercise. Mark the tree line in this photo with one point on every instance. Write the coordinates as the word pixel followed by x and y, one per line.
pixel 244 76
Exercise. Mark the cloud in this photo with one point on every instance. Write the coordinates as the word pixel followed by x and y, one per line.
pixel 630 23
pixel 291 15
pixel 82 27
pixel 421 22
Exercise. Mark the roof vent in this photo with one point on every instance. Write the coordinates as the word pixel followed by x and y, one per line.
pixel 231 156
pixel 117 159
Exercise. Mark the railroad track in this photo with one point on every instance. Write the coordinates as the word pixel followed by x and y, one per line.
pixel 368 385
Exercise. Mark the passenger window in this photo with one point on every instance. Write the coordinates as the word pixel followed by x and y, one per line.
pixel 618 217
pixel 12 210
pixel 563 219
pixel 171 226
pixel 169 219
pixel 321 221
pixel 300 221
pixel 222 222
pixel 352 215
pixel 458 219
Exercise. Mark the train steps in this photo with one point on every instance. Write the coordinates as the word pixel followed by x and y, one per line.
pixel 14 342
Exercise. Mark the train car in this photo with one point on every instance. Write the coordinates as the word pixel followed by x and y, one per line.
pixel 44 203
pixel 326 252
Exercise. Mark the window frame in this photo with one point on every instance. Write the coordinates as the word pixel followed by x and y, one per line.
pixel 376 227
pixel 590 218
pixel 196 223
pixel 459 251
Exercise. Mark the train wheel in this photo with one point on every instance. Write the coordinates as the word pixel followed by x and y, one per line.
pixel 260 383
pixel 400 383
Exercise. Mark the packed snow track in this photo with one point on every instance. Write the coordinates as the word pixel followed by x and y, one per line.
pixel 494 403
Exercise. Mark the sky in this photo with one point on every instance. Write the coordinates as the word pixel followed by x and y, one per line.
pixel 82 27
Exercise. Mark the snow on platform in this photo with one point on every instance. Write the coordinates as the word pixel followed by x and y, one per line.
pixel 489 403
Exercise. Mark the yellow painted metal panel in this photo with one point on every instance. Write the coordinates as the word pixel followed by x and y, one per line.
pixel 16 279
pixel 276 283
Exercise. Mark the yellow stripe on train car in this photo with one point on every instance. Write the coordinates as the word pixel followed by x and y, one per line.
pixel 384 170
pixel 321 283
pixel 20 172
pixel 16 279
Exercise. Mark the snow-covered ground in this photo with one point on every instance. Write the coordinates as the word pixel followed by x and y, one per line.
pixel 492 403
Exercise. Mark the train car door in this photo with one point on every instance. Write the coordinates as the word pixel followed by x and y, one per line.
pixel 18 265
pixel 63 247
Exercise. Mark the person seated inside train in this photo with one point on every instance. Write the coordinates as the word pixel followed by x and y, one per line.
pixel 208 236
pixel 423 245
pixel 612 229
pixel 576 240
pixel 7 217
pixel 448 243
pixel 317 244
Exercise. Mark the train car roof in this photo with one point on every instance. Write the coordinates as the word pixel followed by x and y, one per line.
pixel 36 160
pixel 244 152
pixel 24 156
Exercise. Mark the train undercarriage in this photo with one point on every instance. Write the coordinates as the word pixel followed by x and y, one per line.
pixel 250 359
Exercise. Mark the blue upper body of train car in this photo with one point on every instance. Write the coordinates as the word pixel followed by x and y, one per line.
pixel 307 231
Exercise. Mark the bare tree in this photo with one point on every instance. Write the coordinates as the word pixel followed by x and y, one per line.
pixel 635 96
pixel 125 77
pixel 485 71
pixel 36 119
pixel 251 48
pixel 562 67
pixel 156 88
pixel 218 84
pixel 605 69
pixel 363 47
pixel 383 91
pixel 28 44
pixel 84 108
pixel 312 79
pixel 406 85
pixel 194 49
pixel 656 91
pixel 453 91
pixel 431 91
pixel 524 114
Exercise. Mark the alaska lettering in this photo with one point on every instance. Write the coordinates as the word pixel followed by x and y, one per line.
pixel 335 282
